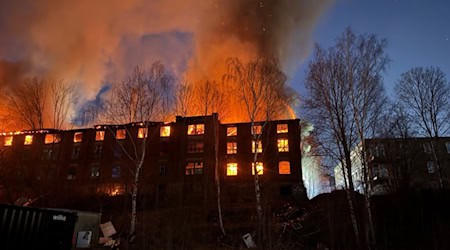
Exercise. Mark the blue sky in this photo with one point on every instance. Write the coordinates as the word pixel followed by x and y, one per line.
pixel 418 33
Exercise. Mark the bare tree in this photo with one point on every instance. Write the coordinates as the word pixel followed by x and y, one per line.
pixel 345 100
pixel 62 97
pixel 144 97
pixel 425 93
pixel 260 86
pixel 183 99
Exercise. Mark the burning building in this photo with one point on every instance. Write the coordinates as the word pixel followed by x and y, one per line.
pixel 179 166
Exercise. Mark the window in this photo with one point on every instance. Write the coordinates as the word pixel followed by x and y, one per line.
pixel 427 147
pixel 231 131
pixel 259 168
pixel 78 137
pixel 284 167
pixel 430 167
pixel 28 140
pixel 283 145
pixel 231 147
pixel 100 135
pixel 379 171
pixel 121 134
pixel 48 154
pixel 98 151
pixel 8 140
pixel 95 172
pixel 115 172
pixel 232 169
pixel 257 146
pixel 195 147
pixel 164 131
pixel 71 173
pixel 447 145
pixel 142 133
pixel 75 153
pixel 194 168
pixel 162 168
pixel 196 129
pixel 282 128
pixel 256 130
pixel 52 138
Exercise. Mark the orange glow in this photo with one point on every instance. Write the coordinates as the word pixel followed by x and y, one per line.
pixel 231 147
pixel 78 137
pixel 121 134
pixel 231 131
pixel 284 167
pixel 196 129
pixel 142 133
pixel 257 146
pixel 164 131
pixel 283 145
pixel 232 169
pixel 100 135
pixel 28 140
pixel 8 140
pixel 259 168
pixel 282 128
pixel 52 138
pixel 256 130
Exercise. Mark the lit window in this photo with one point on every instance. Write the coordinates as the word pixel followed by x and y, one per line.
pixel 256 130
pixel 232 169
pixel 283 145
pixel 115 172
pixel 430 167
pixel 231 131
pixel 447 144
pixel 8 140
pixel 78 137
pixel 95 172
pixel 194 168
pixel 164 131
pixel 282 128
pixel 28 140
pixel 231 148
pixel 195 147
pixel 142 133
pixel 121 134
pixel 196 129
pixel 100 135
pixel 52 138
pixel 257 146
pixel 284 167
pixel 427 148
pixel 259 168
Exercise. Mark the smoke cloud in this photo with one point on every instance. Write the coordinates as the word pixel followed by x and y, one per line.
pixel 93 42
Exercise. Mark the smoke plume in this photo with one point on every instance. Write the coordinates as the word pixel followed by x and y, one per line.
pixel 93 42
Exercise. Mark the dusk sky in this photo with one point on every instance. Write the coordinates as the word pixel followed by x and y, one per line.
pixel 418 32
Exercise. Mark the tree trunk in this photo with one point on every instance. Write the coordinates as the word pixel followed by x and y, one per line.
pixel 259 211
pixel 217 175
pixel 134 193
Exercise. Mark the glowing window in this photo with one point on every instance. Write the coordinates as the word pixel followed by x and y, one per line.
pixel 78 137
pixel 283 145
pixel 259 168
pixel 196 129
pixel 232 169
pixel 164 131
pixel 121 134
pixel 194 168
pixel 142 133
pixel 256 130
pixel 231 148
pixel 8 140
pixel 100 135
pixel 231 131
pixel 284 167
pixel 52 138
pixel 257 146
pixel 28 140
pixel 282 128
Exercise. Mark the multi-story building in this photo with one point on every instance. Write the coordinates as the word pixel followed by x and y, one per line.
pixel 179 165
pixel 394 163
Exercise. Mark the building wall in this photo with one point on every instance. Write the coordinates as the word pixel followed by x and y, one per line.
pixel 70 169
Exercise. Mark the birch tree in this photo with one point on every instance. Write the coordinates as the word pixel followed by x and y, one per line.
pixel 345 99
pixel 144 97
pixel 425 93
